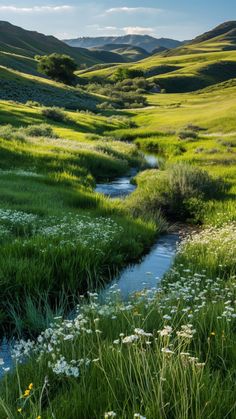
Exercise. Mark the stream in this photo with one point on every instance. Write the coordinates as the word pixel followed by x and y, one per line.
pixel 121 187
pixel 146 273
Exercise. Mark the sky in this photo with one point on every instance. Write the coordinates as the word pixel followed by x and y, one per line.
pixel 178 19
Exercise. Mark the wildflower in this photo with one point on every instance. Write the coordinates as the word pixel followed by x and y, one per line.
pixel 130 339
pixel 167 351
pixel 19 410
pixel 138 416
pixel 110 414
pixel 26 393
pixel 213 334
pixel 141 332
pixel 166 331
pixel 30 386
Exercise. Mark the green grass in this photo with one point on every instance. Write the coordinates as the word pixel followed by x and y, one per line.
pixel 193 71
pixel 22 87
pixel 49 181
pixel 167 354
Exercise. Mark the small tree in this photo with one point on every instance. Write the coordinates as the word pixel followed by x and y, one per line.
pixel 123 73
pixel 59 67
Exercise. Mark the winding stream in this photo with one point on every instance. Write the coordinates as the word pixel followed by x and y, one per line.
pixel 146 273
pixel 122 186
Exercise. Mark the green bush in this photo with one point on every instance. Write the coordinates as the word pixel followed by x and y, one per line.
pixel 123 73
pixel 55 113
pixel 179 193
pixel 187 134
pixel 42 130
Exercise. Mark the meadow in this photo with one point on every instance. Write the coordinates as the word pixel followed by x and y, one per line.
pixel 168 352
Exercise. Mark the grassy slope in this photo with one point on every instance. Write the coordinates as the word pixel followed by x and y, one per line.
pixel 53 179
pixel 215 146
pixel 22 87
pixel 183 73
pixel 18 41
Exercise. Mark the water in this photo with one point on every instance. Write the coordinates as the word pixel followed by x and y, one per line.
pixel 122 186
pixel 5 356
pixel 144 274
pixel 149 271
pixel 119 187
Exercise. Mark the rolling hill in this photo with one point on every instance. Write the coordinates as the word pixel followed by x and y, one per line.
pixel 18 46
pixel 147 42
pixel 129 53
pixel 221 38
pixel 207 60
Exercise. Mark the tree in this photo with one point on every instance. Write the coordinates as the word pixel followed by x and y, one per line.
pixel 123 73
pixel 59 67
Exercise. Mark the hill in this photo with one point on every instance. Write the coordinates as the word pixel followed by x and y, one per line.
pixel 128 52
pixel 18 45
pixel 221 38
pixel 147 42
pixel 22 87
pixel 208 59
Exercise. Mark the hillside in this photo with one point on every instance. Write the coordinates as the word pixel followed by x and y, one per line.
pixel 129 53
pixel 221 38
pixel 208 59
pixel 18 45
pixel 146 42
pixel 22 87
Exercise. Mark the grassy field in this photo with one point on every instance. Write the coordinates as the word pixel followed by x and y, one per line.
pixel 181 73
pixel 47 177
pixel 165 353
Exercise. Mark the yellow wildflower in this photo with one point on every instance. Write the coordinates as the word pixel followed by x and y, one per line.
pixel 31 386
pixel 26 393
pixel 19 410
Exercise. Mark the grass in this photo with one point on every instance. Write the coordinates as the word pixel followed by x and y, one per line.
pixel 46 181
pixel 23 87
pixel 181 73
pixel 168 352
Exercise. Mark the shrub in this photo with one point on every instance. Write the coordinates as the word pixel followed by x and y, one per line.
pixel 179 192
pixel 32 103
pixel 123 73
pixel 54 113
pixel 187 134
pixel 41 130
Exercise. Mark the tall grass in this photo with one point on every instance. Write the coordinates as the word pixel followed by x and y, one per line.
pixel 165 353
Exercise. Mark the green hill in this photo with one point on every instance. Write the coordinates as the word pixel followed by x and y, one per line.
pixel 127 52
pixel 17 44
pixel 22 87
pixel 205 61
pixel 221 38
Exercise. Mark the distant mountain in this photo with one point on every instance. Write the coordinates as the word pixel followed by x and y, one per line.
pixel 147 42
pixel 16 42
pixel 128 52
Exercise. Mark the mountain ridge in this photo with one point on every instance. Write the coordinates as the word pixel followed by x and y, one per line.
pixel 146 42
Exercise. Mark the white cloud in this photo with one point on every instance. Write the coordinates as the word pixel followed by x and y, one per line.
pixel 138 30
pixel 133 10
pixel 35 9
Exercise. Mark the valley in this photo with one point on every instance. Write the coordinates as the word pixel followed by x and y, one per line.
pixel 100 178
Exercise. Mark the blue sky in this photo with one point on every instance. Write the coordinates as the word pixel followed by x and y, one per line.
pixel 179 19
